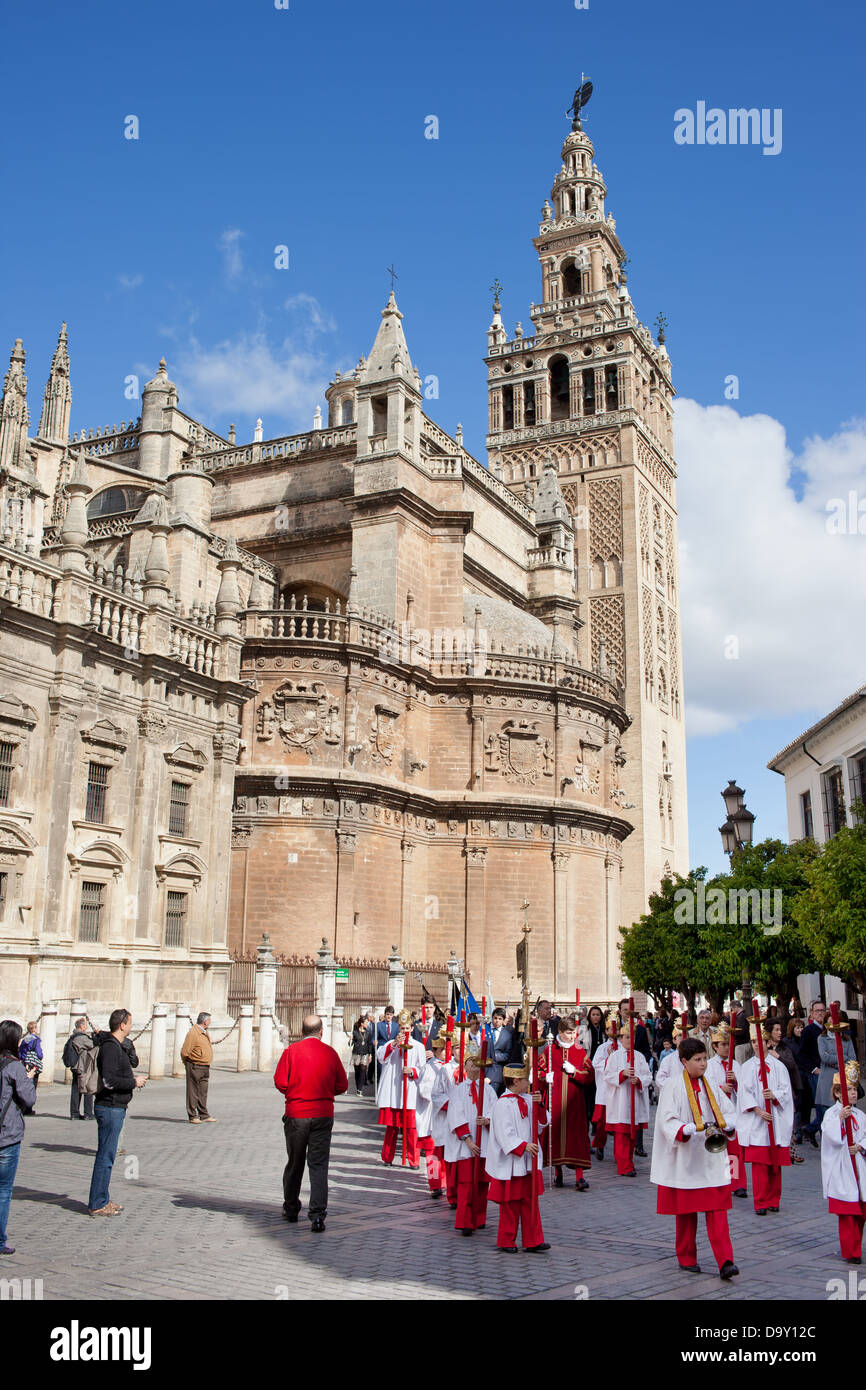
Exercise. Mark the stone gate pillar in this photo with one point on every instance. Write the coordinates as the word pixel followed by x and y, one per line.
pixel 266 998
pixel 326 988
pixel 245 1037
pixel 48 1034
pixel 396 980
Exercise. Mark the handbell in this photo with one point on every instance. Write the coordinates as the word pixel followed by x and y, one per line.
pixel 716 1141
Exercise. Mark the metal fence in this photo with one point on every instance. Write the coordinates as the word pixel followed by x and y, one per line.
pixel 296 992
pixel 367 987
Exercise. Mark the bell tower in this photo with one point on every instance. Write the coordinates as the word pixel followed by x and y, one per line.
pixel 591 389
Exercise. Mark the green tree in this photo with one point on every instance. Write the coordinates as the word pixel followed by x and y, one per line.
pixel 830 915
pixel 757 936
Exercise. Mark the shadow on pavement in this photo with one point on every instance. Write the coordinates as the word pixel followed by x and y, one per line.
pixel 56 1199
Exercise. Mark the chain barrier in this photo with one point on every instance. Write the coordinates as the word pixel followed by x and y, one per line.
pixel 215 1042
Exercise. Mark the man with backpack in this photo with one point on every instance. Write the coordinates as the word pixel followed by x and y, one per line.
pixel 81 1057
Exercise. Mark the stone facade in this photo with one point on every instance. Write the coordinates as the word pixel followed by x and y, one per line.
pixel 407 693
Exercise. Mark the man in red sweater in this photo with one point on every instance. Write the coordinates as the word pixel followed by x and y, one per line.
pixel 309 1074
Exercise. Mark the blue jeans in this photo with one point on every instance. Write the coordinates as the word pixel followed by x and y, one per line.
pixel 8 1167
pixel 109 1123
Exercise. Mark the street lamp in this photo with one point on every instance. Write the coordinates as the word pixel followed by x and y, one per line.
pixel 737 833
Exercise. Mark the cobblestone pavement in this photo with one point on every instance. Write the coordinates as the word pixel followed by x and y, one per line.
pixel 202 1219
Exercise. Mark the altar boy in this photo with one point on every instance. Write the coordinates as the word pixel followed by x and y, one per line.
pixel 509 1164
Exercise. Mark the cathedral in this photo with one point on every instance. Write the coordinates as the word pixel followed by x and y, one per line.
pixel 352 683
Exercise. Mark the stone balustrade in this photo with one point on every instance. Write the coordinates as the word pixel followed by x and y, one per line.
pixel 194 647
pixel 27 583
pixel 217 460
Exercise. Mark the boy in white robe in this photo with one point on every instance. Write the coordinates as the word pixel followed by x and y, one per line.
pixel 510 1153
pixel 441 1099
pixel 389 1094
pixel 844 1188
pixel 462 1149
pixel 758 1104
pixel 726 1080
pixel 424 1114
pixel 690 1178
pixel 598 1115
pixel 621 1081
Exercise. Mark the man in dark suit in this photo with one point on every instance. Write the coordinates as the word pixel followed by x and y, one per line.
pixel 388 1028
pixel 502 1041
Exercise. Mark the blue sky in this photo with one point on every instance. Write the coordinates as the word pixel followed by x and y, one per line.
pixel 305 127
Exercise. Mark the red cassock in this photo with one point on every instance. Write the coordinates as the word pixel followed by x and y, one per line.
pixel 568 1131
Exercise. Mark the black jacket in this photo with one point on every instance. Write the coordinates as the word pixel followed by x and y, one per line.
pixel 789 1060
pixel 116 1077
pixel 809 1045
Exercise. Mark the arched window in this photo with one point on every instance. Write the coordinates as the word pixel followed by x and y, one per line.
pixel 559 391
pixel 663 687
pixel 312 598
pixel 572 279
pixel 596 574
pixel 508 407
pixel 115 500
pixel 347 412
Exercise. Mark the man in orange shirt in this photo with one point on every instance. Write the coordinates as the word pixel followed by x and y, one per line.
pixel 310 1075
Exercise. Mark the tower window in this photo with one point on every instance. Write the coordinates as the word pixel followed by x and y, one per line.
pixel 508 407
pixel 90 913
pixel 175 918
pixel 529 403
pixel 178 809
pixel 589 391
pixel 559 391
pixel 611 389
pixel 346 413
pixel 379 406
pixel 7 756
pixel 97 787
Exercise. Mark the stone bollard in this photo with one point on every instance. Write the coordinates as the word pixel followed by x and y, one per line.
pixel 48 1034
pixel 245 1038
pixel 158 1041
pixel 266 1042
pixel 326 987
pixel 182 1025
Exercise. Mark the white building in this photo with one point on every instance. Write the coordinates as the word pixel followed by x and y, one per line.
pixel 825 773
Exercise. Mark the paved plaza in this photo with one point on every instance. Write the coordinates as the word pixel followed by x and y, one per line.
pixel 202 1219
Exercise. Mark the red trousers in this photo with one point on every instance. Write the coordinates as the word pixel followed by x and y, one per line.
pixel 435 1174
pixel 389 1143
pixel 471 1197
pixel 525 1213
pixel 850 1236
pixel 717 1232
pixel 766 1186
pixel 600 1138
pixel 623 1151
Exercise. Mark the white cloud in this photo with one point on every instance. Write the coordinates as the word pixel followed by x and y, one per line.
pixel 129 282
pixel 761 570
pixel 317 319
pixel 230 245
pixel 248 376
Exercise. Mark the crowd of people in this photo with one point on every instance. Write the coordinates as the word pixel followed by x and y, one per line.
pixel 486 1106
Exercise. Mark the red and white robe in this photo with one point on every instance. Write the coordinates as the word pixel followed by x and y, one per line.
pixel 389 1097
pixel 618 1104
pixel 716 1073
pixel 567 1072
pixel 509 1168
pixel 442 1088
pixel 844 1198
pixel 689 1179
pixel 599 1113
pixel 469 1175
pixel 767 1159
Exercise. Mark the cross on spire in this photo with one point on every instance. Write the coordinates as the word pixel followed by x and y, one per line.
pixel 394 276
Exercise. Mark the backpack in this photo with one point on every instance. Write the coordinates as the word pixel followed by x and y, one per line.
pixel 87 1070
pixel 70 1055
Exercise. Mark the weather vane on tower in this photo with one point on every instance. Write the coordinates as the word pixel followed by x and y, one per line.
pixel 581 97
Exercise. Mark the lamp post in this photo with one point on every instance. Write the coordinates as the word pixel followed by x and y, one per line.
pixel 736 834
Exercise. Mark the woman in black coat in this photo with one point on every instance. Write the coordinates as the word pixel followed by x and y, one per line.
pixel 803 1102
pixel 779 1048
